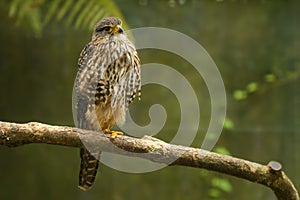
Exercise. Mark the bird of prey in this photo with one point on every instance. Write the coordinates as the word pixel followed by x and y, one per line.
pixel 108 80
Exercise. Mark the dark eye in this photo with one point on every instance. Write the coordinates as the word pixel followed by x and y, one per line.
pixel 107 28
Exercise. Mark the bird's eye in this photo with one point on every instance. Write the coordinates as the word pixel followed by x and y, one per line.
pixel 107 29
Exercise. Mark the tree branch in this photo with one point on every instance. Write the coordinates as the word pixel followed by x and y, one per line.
pixel 271 175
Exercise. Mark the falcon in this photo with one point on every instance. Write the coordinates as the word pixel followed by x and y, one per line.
pixel 108 80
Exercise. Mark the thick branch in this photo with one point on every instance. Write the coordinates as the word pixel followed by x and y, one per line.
pixel 12 134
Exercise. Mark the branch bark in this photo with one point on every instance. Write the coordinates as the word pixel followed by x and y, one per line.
pixel 270 175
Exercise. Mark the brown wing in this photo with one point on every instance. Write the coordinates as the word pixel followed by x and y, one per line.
pixel 85 101
pixel 133 88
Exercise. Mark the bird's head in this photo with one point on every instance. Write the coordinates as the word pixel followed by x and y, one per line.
pixel 109 26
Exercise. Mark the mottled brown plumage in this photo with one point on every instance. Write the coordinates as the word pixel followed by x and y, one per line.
pixel 107 81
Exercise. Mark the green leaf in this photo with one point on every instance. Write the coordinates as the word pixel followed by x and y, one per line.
pixel 64 9
pixel 270 78
pixel 222 150
pixel 239 95
pixel 13 8
pixel 252 87
pixel 228 124
pixel 96 18
pixel 34 19
pixel 222 184
pixel 211 136
pixel 51 11
pixel 90 15
pixel 23 10
pixel 76 8
pixel 83 13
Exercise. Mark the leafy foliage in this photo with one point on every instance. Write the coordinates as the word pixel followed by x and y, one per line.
pixel 228 124
pixel 80 14
pixel 222 184
pixel 270 80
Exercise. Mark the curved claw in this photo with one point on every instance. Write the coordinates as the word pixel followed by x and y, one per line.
pixel 114 134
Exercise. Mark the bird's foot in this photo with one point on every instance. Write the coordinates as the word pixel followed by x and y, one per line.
pixel 113 134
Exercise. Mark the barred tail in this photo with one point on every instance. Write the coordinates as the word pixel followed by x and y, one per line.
pixel 88 169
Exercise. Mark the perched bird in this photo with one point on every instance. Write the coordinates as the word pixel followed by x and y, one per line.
pixel 108 80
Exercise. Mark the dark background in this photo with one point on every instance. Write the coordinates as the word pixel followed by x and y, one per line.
pixel 255 45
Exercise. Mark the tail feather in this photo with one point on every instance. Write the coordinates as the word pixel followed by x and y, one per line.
pixel 88 168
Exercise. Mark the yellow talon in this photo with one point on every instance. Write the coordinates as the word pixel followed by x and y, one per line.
pixel 114 134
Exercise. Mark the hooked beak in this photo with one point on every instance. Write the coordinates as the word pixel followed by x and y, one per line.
pixel 117 29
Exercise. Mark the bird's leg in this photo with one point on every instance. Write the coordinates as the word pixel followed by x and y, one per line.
pixel 114 134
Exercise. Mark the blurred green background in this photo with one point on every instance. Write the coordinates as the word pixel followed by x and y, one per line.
pixel 255 45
